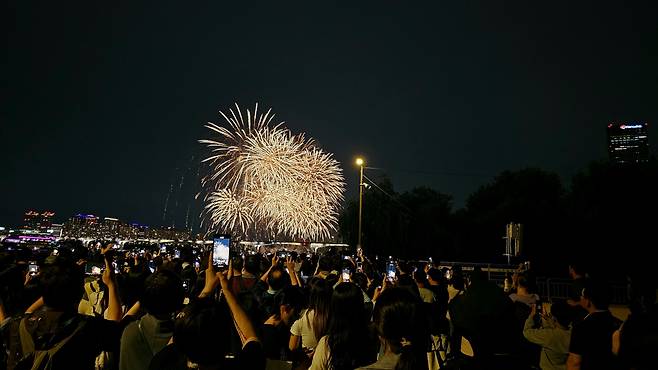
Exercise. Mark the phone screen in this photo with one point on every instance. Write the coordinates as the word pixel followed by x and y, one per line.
pixel 390 270
pixel 346 274
pixel 359 266
pixel 220 250
pixel 33 269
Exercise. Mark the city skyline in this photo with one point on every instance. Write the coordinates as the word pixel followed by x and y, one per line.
pixel 438 95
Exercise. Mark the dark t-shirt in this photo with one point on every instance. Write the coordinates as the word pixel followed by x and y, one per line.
pixel 48 328
pixel 275 341
pixel 171 358
pixel 592 340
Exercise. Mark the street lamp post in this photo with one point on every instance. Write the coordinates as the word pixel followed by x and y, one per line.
pixel 360 163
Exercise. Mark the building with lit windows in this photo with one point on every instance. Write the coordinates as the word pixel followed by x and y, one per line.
pixel 628 143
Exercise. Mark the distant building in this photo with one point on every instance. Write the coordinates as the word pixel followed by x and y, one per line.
pixel 628 143
pixel 34 220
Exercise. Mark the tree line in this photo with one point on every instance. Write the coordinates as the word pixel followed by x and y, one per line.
pixel 606 216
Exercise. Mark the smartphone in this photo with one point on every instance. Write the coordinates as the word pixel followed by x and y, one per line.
pixel 186 284
pixel 163 249
pixel 197 264
pixel 93 269
pixel 176 253
pixel 346 274
pixel 220 250
pixel 346 258
pixel 33 269
pixel 359 266
pixel 390 270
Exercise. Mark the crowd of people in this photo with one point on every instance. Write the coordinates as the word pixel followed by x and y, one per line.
pixel 160 309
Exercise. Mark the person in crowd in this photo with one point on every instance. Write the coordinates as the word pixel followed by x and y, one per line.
pixel 200 339
pixel 244 275
pixel 403 328
pixel 312 324
pixel 275 332
pixel 162 298
pixel 348 343
pixel 578 280
pixel 420 277
pixel 484 315
pixel 523 293
pixel 553 336
pixel 271 282
pixel 456 283
pixel 406 281
pixel 636 340
pixel 591 338
pixel 439 288
pixel 324 266
pixel 53 324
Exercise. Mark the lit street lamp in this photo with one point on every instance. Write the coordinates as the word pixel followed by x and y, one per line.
pixel 360 163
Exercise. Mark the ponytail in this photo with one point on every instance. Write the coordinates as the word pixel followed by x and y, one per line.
pixel 412 357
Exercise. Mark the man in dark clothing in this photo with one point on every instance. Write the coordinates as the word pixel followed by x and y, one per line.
pixel 591 338
pixel 81 338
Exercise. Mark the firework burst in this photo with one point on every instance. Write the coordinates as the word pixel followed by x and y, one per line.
pixel 266 182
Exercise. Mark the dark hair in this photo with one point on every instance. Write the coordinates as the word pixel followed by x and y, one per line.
pixel 62 284
pixel 278 278
pixel 348 335
pixel 403 323
pixel 325 263
pixel 597 293
pixel 361 280
pixel 408 283
pixel 319 302
pixel 163 293
pixel 421 277
pixel 332 279
pixel 562 312
pixel 252 264
pixel 436 275
pixel 291 297
pixel 202 319
pixel 237 263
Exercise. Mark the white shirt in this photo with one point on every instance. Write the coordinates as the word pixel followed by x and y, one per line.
pixel 303 327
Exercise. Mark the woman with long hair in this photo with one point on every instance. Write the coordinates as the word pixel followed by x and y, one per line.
pixel 402 324
pixel 312 324
pixel 348 343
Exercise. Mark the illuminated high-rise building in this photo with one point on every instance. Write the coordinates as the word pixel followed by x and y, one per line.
pixel 38 220
pixel 628 142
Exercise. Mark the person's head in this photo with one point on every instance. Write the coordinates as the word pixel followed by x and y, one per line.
pixel 62 284
pixel 198 321
pixel 278 278
pixel 576 270
pixel 252 264
pixel 595 296
pixel 290 301
pixel 237 263
pixel 522 283
pixel 403 326
pixel 332 279
pixel 348 335
pixel 407 282
pixel 319 302
pixel 325 263
pixel 163 293
pixel 435 276
pixel 361 280
pixel 421 278
pixel 562 313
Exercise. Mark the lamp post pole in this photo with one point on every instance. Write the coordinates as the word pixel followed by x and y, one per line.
pixel 359 161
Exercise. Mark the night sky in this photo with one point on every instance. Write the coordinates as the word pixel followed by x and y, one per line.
pixel 105 102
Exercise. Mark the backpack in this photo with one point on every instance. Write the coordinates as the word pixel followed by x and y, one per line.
pixel 40 359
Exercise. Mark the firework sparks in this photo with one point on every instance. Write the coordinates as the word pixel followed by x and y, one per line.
pixel 265 181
